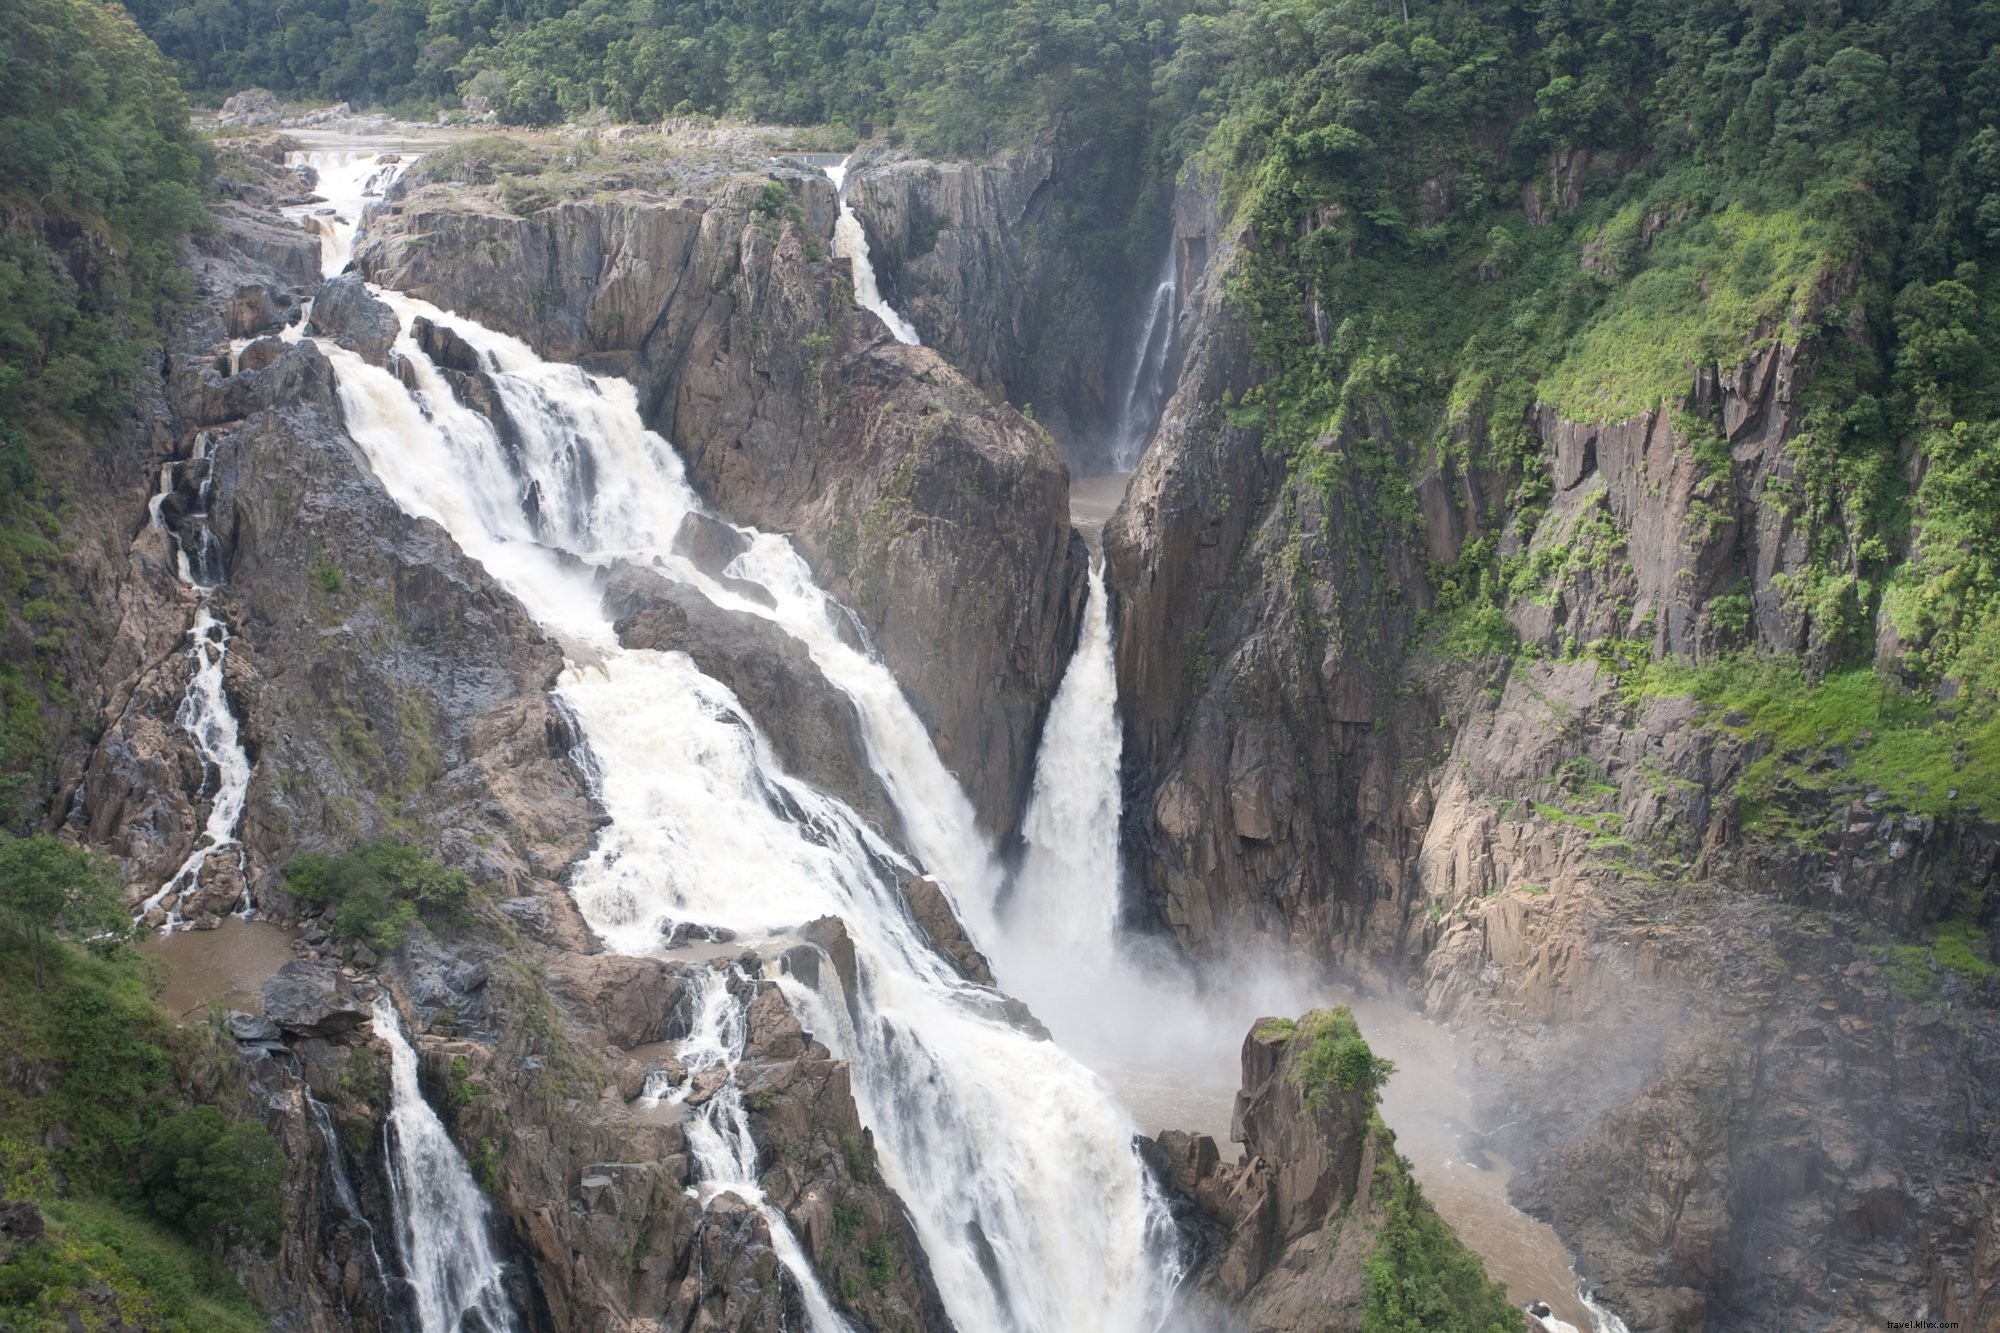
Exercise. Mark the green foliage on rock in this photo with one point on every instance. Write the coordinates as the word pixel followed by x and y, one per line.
pixel 1325 1052
pixel 374 893
pixel 1420 1278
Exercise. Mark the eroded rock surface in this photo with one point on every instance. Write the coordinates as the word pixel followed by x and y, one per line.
pixel 940 518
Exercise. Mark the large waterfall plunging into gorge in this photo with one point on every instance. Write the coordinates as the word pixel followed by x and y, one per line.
pixel 1015 1161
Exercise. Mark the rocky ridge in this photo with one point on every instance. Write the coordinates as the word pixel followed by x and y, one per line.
pixel 940 518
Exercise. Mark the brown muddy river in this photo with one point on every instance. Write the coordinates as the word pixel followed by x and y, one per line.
pixel 228 965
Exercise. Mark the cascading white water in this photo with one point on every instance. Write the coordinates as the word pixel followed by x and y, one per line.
pixel 205 714
pixel 441 1224
pixel 348 179
pixel 1147 387
pixel 718 1133
pixel 850 242
pixel 1061 924
pixel 1015 1161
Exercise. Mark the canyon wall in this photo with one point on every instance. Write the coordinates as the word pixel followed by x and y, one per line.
pixel 1721 1082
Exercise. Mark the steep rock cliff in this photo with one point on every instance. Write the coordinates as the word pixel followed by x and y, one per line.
pixel 981 257
pixel 1693 1029
pixel 939 517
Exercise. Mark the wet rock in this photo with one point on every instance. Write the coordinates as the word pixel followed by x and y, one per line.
pixel 814 727
pixel 347 313
pixel 261 354
pixel 255 309
pixel 632 998
pixel 252 1027
pixel 314 999
pixel 933 912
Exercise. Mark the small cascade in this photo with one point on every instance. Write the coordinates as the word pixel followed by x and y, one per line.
pixel 1015 1161
pixel 343 1190
pixel 442 1233
pixel 205 712
pixel 1149 383
pixel 850 242
pixel 719 1130
pixel 347 182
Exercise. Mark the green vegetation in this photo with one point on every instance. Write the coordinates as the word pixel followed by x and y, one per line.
pixel 1852 734
pixel 958 72
pixel 48 887
pixel 98 186
pixel 1325 1051
pixel 1420 1278
pixel 374 893
pixel 131 1137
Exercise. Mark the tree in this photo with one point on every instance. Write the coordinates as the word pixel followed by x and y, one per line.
pixel 215 1178
pixel 47 885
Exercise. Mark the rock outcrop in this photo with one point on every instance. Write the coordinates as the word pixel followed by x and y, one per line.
pixel 1291 1225
pixel 940 518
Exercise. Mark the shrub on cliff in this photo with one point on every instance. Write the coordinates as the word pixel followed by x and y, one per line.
pixel 1328 1052
pixel 214 1178
pixel 1420 1277
pixel 375 892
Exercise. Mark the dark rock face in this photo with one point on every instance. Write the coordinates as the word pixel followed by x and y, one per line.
pixel 1663 1039
pixel 932 911
pixel 814 728
pixel 346 313
pixel 937 516
pixel 313 1000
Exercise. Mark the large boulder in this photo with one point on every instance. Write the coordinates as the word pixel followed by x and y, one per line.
pixel 311 998
pixel 346 312
pixel 250 108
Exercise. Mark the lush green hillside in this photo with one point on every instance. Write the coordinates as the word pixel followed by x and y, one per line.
pixel 1581 206
pixel 960 73
pixel 98 185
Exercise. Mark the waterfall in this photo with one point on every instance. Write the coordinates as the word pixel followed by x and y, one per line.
pixel 441 1226
pixel 346 180
pixel 1147 384
pixel 343 1188
pixel 205 713
pixel 850 242
pixel 719 1132
pixel 1061 923
pixel 1014 1159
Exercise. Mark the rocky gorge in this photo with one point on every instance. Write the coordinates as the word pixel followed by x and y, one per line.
pixel 1697 1043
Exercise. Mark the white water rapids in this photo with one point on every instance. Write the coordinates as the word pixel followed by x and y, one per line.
pixel 850 242
pixel 441 1224
pixel 1015 1160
